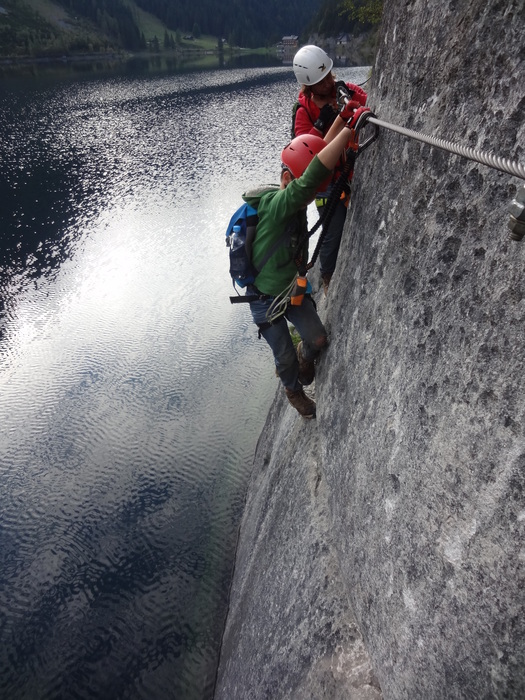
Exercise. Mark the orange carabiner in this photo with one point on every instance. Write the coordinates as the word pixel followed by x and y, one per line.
pixel 353 141
pixel 299 290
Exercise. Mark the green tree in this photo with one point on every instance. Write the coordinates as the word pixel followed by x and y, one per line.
pixel 196 31
pixel 364 11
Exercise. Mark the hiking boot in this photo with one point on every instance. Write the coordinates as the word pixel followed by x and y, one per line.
pixel 300 401
pixel 326 281
pixel 306 367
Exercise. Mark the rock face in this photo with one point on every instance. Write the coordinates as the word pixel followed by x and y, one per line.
pixel 290 629
pixel 382 549
pixel 354 50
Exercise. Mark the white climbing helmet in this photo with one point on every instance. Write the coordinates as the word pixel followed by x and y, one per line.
pixel 311 64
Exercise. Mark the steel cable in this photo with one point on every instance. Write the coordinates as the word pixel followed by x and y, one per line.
pixel 503 164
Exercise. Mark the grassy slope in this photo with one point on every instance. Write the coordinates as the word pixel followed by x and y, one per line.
pixel 148 24
pixel 42 27
pixel 53 13
pixel 59 18
pixel 151 26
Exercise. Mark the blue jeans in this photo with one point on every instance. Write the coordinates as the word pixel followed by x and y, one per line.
pixel 332 239
pixel 277 335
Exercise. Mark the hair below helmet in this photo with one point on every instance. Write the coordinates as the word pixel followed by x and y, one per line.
pixel 311 64
pixel 296 156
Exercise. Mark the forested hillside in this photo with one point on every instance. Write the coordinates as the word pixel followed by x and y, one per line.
pixel 56 27
pixel 250 23
pixel 336 17
pixel 62 27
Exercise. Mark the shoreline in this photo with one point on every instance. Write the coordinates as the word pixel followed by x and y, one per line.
pixel 118 56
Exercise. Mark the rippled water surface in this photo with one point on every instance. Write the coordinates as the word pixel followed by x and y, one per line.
pixel 131 391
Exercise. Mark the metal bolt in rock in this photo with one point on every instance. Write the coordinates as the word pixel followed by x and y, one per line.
pixel 517 215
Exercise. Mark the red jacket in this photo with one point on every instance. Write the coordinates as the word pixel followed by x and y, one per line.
pixel 308 112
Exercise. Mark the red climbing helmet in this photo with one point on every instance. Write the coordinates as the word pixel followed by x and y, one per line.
pixel 296 156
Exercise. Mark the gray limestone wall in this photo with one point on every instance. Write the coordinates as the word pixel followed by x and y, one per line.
pixel 382 548
pixel 356 50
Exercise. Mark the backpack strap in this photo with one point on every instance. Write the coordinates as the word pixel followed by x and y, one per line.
pixel 251 229
pixel 295 108
pixel 247 298
pixel 274 248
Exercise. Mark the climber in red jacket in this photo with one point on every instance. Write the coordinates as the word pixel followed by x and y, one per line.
pixel 315 113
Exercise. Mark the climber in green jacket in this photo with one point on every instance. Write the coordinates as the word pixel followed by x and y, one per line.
pixel 306 163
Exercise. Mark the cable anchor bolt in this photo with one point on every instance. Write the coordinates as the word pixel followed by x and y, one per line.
pixel 517 215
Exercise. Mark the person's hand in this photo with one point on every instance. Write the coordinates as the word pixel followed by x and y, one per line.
pixel 348 110
pixel 325 118
pixel 343 89
pixel 351 123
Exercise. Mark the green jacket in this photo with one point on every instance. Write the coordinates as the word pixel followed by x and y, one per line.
pixel 283 210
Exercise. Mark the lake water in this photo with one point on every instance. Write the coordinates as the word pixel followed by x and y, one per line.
pixel 131 392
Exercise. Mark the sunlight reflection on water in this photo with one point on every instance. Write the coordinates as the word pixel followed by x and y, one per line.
pixel 131 391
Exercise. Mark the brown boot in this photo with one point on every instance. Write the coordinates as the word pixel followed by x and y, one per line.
pixel 306 367
pixel 303 403
pixel 326 281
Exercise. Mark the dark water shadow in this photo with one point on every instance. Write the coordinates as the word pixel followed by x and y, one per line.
pixel 135 66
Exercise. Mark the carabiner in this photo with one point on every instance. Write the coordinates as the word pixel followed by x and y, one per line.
pixel 364 144
pixel 360 124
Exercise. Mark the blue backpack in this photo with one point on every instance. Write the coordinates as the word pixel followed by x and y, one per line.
pixel 240 235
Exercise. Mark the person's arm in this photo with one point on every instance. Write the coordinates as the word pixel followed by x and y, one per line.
pixel 334 149
pixel 337 126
